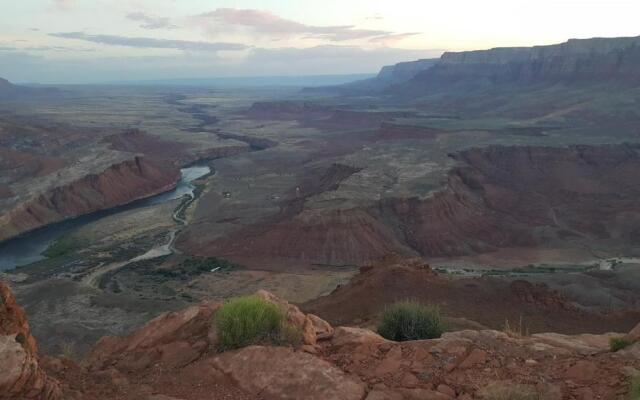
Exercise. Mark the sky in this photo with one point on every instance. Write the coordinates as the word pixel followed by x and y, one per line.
pixel 93 41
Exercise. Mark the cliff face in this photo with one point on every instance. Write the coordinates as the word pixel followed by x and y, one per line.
pixel 117 185
pixel 404 71
pixel 388 76
pixel 587 60
pixel 21 377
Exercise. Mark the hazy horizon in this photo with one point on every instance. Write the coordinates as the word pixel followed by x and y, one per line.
pixel 97 41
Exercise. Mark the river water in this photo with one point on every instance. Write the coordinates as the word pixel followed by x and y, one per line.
pixel 28 248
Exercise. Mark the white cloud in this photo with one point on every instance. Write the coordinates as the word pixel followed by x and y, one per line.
pixel 266 23
pixel 151 21
pixel 151 43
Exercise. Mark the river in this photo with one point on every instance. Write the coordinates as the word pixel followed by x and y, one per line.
pixel 28 248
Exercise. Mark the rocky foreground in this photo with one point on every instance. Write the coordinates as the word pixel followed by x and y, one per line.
pixel 174 357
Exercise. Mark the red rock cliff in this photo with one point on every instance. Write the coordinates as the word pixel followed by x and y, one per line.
pixel 21 377
pixel 117 185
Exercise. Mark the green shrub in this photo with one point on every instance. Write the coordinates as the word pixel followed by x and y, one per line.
pixel 410 320
pixel 63 246
pixel 618 344
pixel 248 320
pixel 510 392
pixel 634 389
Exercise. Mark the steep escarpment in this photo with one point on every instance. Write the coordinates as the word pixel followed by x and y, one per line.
pixel 598 60
pixel 119 184
pixel 526 196
pixel 404 71
pixel 388 76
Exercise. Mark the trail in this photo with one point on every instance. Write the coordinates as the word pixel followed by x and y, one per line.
pixel 93 278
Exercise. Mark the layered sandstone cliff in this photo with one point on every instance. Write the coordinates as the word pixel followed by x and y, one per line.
pixel 117 185
pixel 404 71
pixel 524 196
pixel 598 60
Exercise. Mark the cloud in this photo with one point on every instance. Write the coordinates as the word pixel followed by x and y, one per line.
pixel 60 49
pixel 267 23
pixel 150 43
pixel 151 21
pixel 91 68
pixel 63 4
pixel 393 38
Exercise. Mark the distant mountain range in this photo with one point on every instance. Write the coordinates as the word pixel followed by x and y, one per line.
pixel 11 91
pixel 255 81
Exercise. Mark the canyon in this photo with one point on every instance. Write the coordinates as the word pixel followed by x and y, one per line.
pixel 495 197
pixel 499 185
pixel 117 185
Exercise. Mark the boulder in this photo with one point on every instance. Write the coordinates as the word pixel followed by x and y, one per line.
pixel 632 351
pixel 173 339
pixel 313 328
pixel 585 344
pixel 279 373
pixel 582 370
pixel 346 336
pixel 634 334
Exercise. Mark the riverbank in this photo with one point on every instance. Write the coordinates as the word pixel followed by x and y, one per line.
pixel 28 248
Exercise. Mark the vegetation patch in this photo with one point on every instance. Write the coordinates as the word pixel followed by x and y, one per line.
pixel 63 246
pixel 510 392
pixel 410 320
pixel 634 389
pixel 617 344
pixel 515 330
pixel 251 320
pixel 194 266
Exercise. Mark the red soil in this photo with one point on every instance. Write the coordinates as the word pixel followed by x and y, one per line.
pixel 488 301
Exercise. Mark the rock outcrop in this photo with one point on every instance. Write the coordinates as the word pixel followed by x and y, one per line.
pixel 21 376
pixel 278 373
pixel 119 184
pixel 174 340
pixel 174 357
